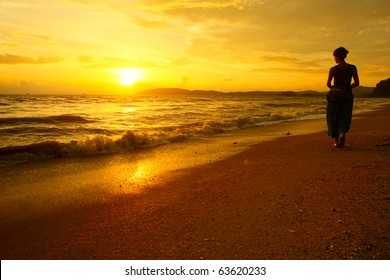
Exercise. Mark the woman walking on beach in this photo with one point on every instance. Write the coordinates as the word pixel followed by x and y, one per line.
pixel 339 108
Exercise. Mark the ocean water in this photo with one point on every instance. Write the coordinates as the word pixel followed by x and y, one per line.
pixel 44 126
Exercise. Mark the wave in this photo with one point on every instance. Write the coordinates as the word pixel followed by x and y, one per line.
pixel 99 144
pixel 287 105
pixel 41 131
pixel 45 120
pixel 132 139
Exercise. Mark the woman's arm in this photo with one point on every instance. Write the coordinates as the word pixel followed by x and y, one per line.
pixel 330 78
pixel 355 77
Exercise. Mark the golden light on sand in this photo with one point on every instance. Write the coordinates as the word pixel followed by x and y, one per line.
pixel 129 76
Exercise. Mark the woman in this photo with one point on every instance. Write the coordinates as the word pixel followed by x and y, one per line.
pixel 339 114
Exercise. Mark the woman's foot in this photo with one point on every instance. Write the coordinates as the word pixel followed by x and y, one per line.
pixel 341 143
pixel 341 140
pixel 336 142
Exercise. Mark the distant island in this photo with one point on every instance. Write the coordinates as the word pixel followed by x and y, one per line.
pixel 382 90
pixel 360 91
pixel 180 91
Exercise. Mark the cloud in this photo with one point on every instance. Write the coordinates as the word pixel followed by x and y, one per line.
pixel 295 61
pixel 241 29
pixel 25 84
pixel 86 59
pixel 280 58
pixel 305 25
pixel 375 70
pixel 120 62
pixel 84 2
pixel 279 70
pixel 290 64
pixel 18 59
pixel 184 82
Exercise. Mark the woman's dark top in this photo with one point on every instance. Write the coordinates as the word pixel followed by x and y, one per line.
pixel 343 77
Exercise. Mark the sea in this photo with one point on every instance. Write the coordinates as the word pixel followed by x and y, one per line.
pixel 36 127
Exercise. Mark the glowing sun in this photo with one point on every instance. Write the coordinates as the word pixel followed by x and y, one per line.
pixel 128 76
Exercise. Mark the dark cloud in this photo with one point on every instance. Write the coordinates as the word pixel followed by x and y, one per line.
pixel 18 59
pixel 288 60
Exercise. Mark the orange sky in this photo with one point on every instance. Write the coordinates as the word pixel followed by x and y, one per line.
pixel 78 46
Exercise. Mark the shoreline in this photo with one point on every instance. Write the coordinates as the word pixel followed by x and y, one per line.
pixel 293 197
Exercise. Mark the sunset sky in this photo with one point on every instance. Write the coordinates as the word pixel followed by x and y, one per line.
pixel 122 46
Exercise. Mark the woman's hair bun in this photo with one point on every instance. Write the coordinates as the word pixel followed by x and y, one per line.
pixel 341 52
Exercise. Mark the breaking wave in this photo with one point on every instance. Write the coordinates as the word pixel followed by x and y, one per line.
pixel 45 120
pixel 131 139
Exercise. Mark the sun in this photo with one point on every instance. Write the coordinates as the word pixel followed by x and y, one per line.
pixel 128 76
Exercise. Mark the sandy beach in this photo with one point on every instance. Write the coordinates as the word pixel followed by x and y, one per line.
pixel 294 197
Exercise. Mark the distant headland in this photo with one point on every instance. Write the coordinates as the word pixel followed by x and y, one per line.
pixel 382 89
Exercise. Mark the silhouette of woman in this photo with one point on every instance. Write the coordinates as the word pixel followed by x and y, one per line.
pixel 339 114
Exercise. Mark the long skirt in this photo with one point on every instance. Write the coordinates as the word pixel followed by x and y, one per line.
pixel 339 117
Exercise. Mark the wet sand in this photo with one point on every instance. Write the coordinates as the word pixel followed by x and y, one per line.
pixel 295 197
